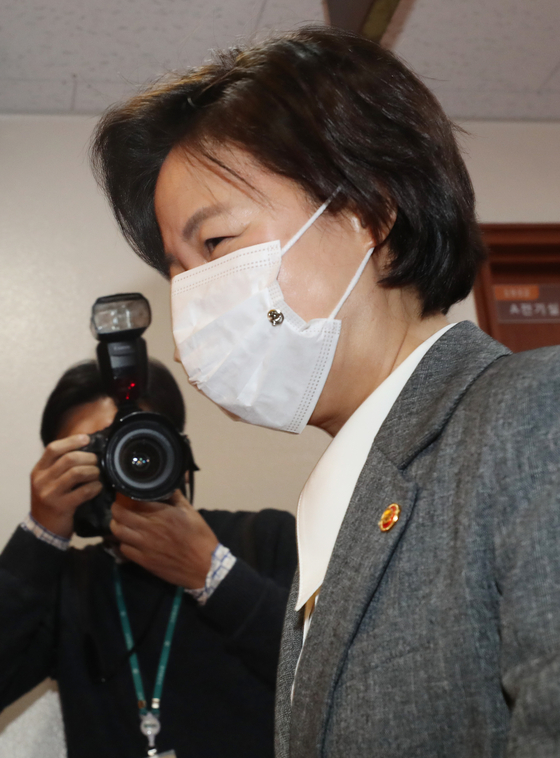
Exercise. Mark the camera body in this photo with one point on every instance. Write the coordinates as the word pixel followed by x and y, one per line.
pixel 141 454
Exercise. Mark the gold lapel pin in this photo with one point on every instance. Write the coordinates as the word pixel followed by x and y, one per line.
pixel 390 517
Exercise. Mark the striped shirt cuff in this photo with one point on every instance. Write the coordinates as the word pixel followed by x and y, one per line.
pixel 222 563
pixel 30 525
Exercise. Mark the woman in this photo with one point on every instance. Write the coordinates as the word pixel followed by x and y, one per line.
pixel 310 204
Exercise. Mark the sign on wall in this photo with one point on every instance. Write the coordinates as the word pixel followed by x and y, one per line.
pixel 527 303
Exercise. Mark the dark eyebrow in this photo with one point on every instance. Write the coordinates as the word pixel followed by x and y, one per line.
pixel 200 216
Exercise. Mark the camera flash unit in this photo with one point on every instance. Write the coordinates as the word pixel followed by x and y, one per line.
pixel 117 317
pixel 118 321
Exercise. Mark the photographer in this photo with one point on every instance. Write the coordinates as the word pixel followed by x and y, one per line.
pixel 63 613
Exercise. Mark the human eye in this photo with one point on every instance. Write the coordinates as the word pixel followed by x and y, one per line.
pixel 212 243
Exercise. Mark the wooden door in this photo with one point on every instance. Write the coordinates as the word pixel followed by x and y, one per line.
pixel 517 292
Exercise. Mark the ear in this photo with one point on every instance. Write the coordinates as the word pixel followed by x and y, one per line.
pixel 392 217
pixel 358 224
pixel 361 229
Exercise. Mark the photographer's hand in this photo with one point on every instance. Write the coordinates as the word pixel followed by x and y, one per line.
pixel 172 541
pixel 63 478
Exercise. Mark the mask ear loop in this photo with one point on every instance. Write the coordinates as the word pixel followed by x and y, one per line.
pixel 302 231
pixel 310 222
pixel 352 284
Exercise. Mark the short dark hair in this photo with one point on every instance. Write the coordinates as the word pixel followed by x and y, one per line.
pixel 82 384
pixel 325 108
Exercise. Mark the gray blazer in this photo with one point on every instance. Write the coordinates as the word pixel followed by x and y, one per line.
pixel 441 637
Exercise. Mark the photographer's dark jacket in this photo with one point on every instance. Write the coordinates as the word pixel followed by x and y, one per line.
pixel 59 619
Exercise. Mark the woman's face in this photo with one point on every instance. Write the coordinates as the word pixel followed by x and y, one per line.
pixel 204 213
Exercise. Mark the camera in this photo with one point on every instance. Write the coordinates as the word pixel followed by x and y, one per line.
pixel 141 454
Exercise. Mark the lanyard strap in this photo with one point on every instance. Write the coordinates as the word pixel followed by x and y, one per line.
pixel 133 659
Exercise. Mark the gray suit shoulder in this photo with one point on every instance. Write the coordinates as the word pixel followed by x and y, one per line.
pixel 531 365
pixel 524 381
pixel 515 405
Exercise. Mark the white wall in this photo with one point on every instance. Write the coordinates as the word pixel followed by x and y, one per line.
pixel 515 168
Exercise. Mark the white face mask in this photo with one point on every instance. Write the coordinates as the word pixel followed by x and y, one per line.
pixel 243 346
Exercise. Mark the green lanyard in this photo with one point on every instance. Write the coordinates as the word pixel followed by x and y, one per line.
pixel 149 719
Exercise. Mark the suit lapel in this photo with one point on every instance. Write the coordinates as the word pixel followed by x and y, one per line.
pixel 435 389
pixel 362 551
pixel 292 639
pixel 359 560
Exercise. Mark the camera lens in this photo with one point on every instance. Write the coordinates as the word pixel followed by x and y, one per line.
pixel 141 459
pixel 145 457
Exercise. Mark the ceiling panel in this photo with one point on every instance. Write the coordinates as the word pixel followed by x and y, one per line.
pixel 284 14
pixel 484 58
pixel 35 96
pixel 80 56
pixel 552 84
pixel 499 105
pixel 98 38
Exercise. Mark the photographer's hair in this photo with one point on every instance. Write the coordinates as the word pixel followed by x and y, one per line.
pixel 82 384
pixel 324 108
